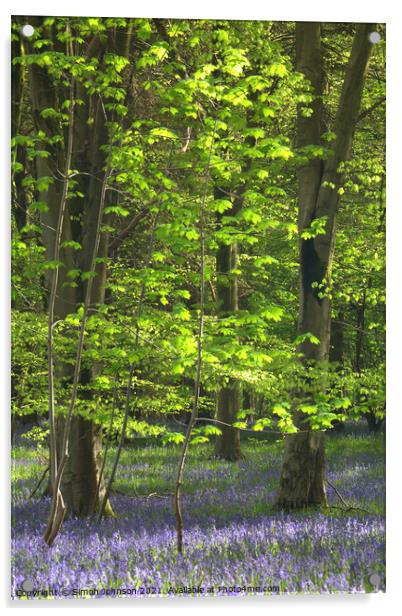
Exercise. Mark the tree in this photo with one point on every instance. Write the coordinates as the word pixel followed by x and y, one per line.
pixel 74 94
pixel 302 474
pixel 229 399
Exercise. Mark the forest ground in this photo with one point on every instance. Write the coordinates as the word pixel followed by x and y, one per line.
pixel 235 541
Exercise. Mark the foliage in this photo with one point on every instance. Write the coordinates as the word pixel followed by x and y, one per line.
pixel 183 85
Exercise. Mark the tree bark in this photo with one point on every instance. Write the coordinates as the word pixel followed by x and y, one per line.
pixel 227 445
pixel 336 354
pixel 79 485
pixel 81 475
pixel 302 475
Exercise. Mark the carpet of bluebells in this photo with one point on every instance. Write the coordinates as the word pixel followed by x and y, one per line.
pixel 235 542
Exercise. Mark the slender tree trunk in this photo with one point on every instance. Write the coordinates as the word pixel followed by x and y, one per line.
pixel 336 353
pixel 302 475
pixel 227 445
pixel 18 192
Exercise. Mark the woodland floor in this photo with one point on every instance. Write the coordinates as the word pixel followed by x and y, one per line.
pixel 235 542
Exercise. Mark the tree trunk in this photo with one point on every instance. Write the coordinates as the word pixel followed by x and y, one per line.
pixel 374 423
pixel 227 445
pixel 81 475
pixel 336 353
pixel 302 475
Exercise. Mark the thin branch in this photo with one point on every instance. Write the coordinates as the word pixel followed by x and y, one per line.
pixel 132 366
pixel 58 508
pixel 115 394
pixel 120 446
pixel 39 482
pixel 213 293
pixel 129 384
pixel 367 111
pixel 125 232
pixel 345 507
pixel 224 423
pixel 52 300
pixel 197 383
pixel 337 493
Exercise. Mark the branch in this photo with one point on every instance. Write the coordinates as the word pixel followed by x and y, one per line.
pixel 52 300
pixel 124 233
pixel 39 482
pixel 346 507
pixel 367 111
pixel 115 394
pixel 129 385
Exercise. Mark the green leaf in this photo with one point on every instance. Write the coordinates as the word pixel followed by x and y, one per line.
pixel 277 70
pixel 303 337
pixel 71 244
pixel 196 440
pixel 117 210
pixel 163 132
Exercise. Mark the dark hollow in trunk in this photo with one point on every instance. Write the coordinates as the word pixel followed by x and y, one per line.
pixel 302 476
pixel 336 352
pixel 374 423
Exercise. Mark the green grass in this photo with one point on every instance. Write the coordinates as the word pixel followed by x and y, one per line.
pixel 151 469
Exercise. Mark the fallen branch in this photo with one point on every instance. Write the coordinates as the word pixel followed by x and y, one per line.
pixel 337 493
pixel 346 507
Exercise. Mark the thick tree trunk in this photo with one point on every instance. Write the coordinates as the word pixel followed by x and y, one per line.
pixel 81 476
pixel 227 445
pixel 18 192
pixel 302 476
pixel 303 473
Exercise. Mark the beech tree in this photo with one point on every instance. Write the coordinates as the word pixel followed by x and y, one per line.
pixel 302 475
pixel 74 88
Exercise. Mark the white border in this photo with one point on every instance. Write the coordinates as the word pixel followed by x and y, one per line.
pixel 291 10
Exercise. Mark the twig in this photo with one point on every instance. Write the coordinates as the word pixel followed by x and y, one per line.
pixel 348 509
pixel 224 423
pixel 337 493
pixel 346 506
pixel 132 366
pixel 156 495
pixel 129 387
